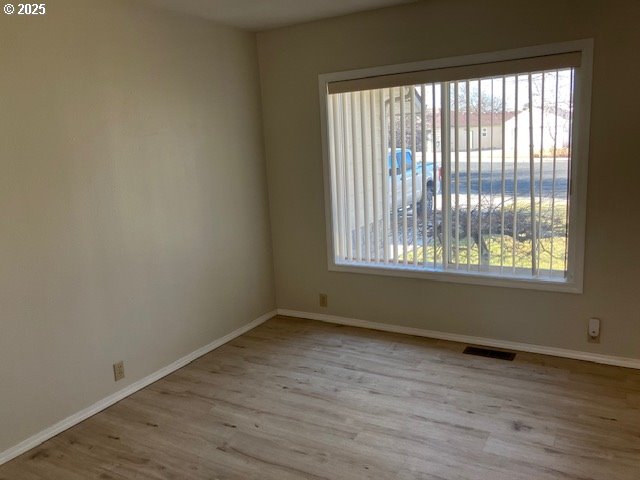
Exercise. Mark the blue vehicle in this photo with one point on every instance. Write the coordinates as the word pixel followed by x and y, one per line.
pixel 420 169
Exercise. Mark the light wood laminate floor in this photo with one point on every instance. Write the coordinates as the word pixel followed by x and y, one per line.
pixel 297 399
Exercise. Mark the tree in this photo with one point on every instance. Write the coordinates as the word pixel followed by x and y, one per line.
pixel 477 100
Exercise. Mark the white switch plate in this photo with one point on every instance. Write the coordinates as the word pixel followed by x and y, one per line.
pixel 118 371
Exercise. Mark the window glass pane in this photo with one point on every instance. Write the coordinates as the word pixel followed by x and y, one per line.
pixel 506 150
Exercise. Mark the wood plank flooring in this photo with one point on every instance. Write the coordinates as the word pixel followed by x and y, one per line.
pixel 297 399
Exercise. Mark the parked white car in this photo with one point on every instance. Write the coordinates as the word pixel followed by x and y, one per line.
pixel 426 168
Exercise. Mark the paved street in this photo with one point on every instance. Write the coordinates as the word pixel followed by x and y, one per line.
pixel 493 181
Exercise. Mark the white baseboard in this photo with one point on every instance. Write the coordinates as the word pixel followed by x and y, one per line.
pixel 454 337
pixel 78 417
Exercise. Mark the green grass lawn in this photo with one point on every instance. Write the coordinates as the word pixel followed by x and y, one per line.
pixel 551 223
pixel 502 253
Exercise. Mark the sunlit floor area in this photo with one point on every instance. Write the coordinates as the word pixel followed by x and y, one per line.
pixel 298 399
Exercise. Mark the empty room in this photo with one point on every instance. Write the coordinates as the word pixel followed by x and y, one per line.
pixel 319 239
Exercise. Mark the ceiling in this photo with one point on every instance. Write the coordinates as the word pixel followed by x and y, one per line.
pixel 265 14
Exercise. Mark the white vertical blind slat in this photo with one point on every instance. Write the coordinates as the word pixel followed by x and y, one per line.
pixel 569 168
pixel 414 173
pixel 347 177
pixel 423 133
pixel 384 176
pixel 336 200
pixel 456 132
pixel 354 163
pixel 435 177
pixel 532 191
pixel 403 170
pixel 445 148
pixel 515 181
pixel 394 176
pixel 480 210
pixel 541 172
pixel 468 172
pixel 503 172
pixel 491 199
pixel 375 177
pixel 366 161
pixel 553 181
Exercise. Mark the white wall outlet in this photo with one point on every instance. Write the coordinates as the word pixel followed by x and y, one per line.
pixel 594 330
pixel 118 370
pixel 324 300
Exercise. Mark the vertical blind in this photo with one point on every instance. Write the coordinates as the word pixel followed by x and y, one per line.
pixel 469 175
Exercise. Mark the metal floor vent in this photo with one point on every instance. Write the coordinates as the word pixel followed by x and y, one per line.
pixel 486 352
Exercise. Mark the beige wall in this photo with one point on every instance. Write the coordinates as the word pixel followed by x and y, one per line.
pixel 292 58
pixel 132 198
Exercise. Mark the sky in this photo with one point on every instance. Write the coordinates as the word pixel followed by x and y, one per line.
pixel 563 89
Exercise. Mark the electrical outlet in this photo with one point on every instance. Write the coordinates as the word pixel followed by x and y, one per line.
pixel 593 330
pixel 118 371
pixel 324 300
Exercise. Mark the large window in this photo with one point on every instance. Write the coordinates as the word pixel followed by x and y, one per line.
pixel 469 169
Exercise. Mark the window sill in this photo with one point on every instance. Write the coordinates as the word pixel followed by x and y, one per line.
pixel 560 285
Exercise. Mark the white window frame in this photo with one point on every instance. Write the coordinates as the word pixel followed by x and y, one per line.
pixel 573 283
